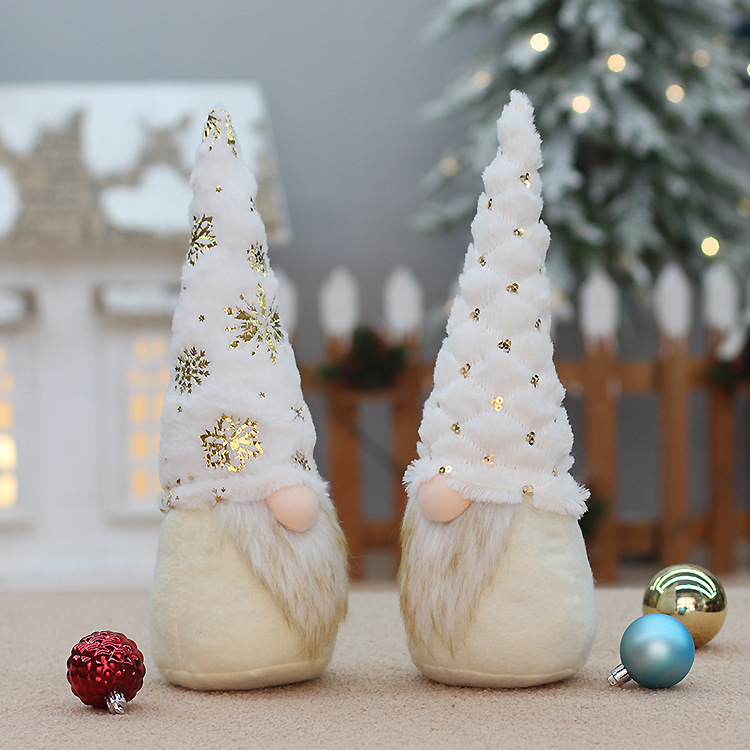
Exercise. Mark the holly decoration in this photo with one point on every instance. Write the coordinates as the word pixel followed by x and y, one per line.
pixel 106 670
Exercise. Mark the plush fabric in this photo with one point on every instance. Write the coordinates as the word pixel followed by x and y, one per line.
pixel 214 625
pixel 535 620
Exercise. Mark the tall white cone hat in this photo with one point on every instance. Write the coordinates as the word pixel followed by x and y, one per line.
pixel 494 436
pixel 236 432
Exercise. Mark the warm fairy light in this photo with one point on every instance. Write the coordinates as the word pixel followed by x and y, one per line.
pixel 481 79
pixel 744 207
pixel 748 69
pixel 701 58
pixel 8 490
pixel 710 246
pixel 7 453
pixel 616 63
pixel 539 42
pixel 675 93
pixel 449 165
pixel 581 104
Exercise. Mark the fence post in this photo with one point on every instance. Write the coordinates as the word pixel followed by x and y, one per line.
pixel 599 311
pixel 403 312
pixel 673 315
pixel 339 315
pixel 722 315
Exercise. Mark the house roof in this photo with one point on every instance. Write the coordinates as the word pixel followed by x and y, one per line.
pixel 97 168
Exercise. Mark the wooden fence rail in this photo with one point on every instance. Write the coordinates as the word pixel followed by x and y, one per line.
pixel 601 379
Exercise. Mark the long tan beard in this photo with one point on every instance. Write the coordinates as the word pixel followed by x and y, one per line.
pixel 445 567
pixel 306 573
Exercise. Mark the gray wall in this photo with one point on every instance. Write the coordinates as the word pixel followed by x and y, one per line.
pixel 344 80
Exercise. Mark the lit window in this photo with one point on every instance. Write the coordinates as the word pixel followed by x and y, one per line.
pixel 8 454
pixel 147 379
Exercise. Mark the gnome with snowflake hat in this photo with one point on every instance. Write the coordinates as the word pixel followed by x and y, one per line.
pixel 251 580
pixel 495 585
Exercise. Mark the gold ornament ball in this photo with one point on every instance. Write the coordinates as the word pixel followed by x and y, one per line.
pixel 690 594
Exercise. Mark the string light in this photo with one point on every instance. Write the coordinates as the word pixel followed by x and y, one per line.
pixel 581 104
pixel 710 246
pixel 481 79
pixel 539 42
pixel 675 93
pixel 449 165
pixel 701 58
pixel 616 63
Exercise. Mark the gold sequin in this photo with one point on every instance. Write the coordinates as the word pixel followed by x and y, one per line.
pixel 531 438
pixel 257 257
pixel 497 402
pixel 482 261
pixel 555 472
pixel 201 238
pixel 258 322
pixel 465 370
pixel 538 325
pixel 191 369
pixel 474 314
pixel 456 428
pixel 201 318
pixel 218 494
pixel 213 129
pixel 231 443
pixel 262 394
pixel 504 345
pixel 489 203
pixel 526 179
pixel 300 458
pixel 218 188
pixel 179 410
pixel 298 412
pixel 528 490
pixel 512 288
pixel 490 460
pixel 519 231
pixel 447 469
pixel 535 380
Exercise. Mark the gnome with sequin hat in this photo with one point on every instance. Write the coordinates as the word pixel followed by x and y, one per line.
pixel 495 585
pixel 251 580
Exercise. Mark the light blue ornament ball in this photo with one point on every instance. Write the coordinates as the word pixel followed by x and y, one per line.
pixel 657 650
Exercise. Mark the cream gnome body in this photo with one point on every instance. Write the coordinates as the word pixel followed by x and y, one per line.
pixel 495 585
pixel 251 580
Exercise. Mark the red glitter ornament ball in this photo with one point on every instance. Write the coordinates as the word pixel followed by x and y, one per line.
pixel 106 670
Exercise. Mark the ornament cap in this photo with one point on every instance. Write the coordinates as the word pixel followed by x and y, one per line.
pixel 619 676
pixel 116 702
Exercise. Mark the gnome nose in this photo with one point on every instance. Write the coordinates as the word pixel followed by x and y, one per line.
pixel 439 503
pixel 295 508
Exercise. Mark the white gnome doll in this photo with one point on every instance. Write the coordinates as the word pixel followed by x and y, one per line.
pixel 495 585
pixel 251 578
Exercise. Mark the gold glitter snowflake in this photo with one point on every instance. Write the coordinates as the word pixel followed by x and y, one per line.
pixel 213 130
pixel 190 370
pixel 259 322
pixel 257 257
pixel 202 237
pixel 231 443
pixel 300 458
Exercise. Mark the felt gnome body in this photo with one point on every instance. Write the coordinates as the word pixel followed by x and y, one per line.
pixel 495 585
pixel 251 579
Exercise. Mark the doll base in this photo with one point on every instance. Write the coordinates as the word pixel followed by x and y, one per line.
pixel 535 622
pixel 214 626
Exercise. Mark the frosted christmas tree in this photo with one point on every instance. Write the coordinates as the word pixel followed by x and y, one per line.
pixel 643 112
pixel 251 581
pixel 495 585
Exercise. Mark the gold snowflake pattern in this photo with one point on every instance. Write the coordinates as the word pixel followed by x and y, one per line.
pixel 202 237
pixel 257 257
pixel 213 130
pixel 259 322
pixel 190 370
pixel 231 443
pixel 300 458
